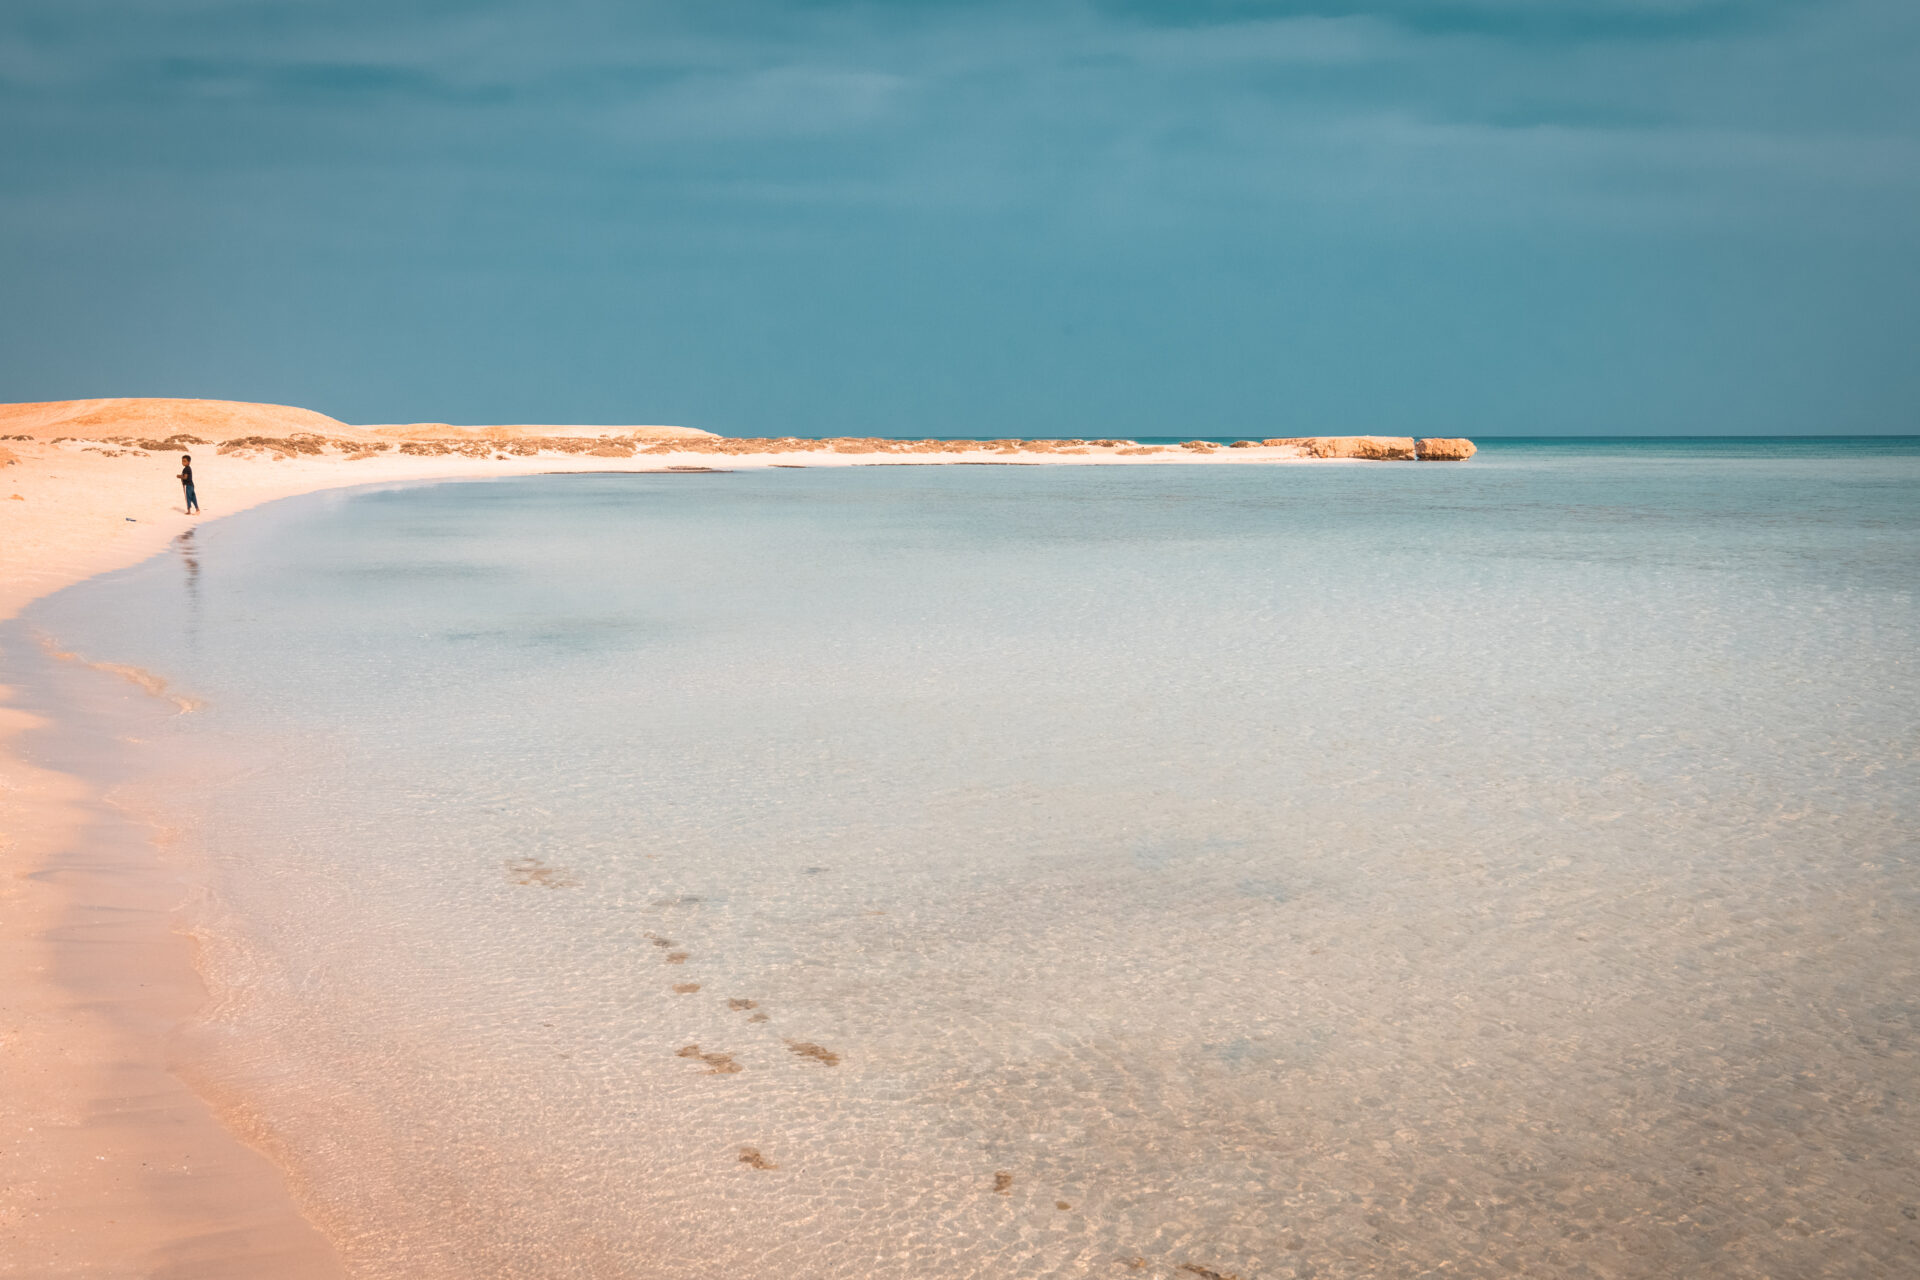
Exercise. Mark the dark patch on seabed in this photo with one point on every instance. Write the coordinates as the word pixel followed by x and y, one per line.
pixel 1206 1273
pixel 532 871
pixel 718 1064
pixel 807 1049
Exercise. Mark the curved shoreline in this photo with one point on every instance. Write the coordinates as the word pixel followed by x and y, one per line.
pixel 117 1165
pixel 113 1164
pixel 86 507
pixel 121 1165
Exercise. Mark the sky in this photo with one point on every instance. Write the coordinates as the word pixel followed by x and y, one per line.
pixel 1036 218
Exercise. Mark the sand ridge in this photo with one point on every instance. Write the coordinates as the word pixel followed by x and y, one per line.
pixel 159 418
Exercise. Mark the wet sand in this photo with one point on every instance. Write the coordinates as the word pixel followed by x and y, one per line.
pixel 111 1163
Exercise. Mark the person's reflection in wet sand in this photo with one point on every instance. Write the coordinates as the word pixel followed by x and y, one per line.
pixel 190 557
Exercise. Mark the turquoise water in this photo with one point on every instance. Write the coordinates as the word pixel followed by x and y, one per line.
pixel 1335 870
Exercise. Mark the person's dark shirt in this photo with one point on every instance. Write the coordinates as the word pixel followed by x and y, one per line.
pixel 186 474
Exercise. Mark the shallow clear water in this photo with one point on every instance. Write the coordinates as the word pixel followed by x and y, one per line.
pixel 1322 870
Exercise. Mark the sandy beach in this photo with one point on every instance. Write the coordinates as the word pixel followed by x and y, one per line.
pixel 111 1164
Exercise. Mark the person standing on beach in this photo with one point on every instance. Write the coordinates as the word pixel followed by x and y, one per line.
pixel 186 482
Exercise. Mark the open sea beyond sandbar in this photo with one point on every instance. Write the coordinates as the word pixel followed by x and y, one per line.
pixel 1495 869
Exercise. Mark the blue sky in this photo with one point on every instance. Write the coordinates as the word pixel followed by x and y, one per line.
pixel 1241 217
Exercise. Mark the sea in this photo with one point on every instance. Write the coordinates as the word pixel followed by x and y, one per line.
pixel 1505 868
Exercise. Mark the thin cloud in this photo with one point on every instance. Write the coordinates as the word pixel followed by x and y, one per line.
pixel 779 102
pixel 1528 21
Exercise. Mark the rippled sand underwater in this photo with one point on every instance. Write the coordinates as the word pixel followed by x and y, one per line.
pixel 1505 869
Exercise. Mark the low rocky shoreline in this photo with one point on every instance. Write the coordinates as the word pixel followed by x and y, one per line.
pixel 314 444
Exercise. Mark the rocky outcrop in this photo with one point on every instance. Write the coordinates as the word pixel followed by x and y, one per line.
pixel 281 431
pixel 1444 449
pixel 1377 448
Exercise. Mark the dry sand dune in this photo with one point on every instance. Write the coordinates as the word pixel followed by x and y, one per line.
pixel 160 419
pixel 217 421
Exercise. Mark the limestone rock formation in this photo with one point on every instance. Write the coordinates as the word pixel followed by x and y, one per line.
pixel 1379 448
pixel 1444 449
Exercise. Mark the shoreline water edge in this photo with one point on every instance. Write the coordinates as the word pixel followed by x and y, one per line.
pixel 112 1164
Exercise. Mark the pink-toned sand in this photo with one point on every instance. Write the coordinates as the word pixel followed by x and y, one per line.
pixel 109 1164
